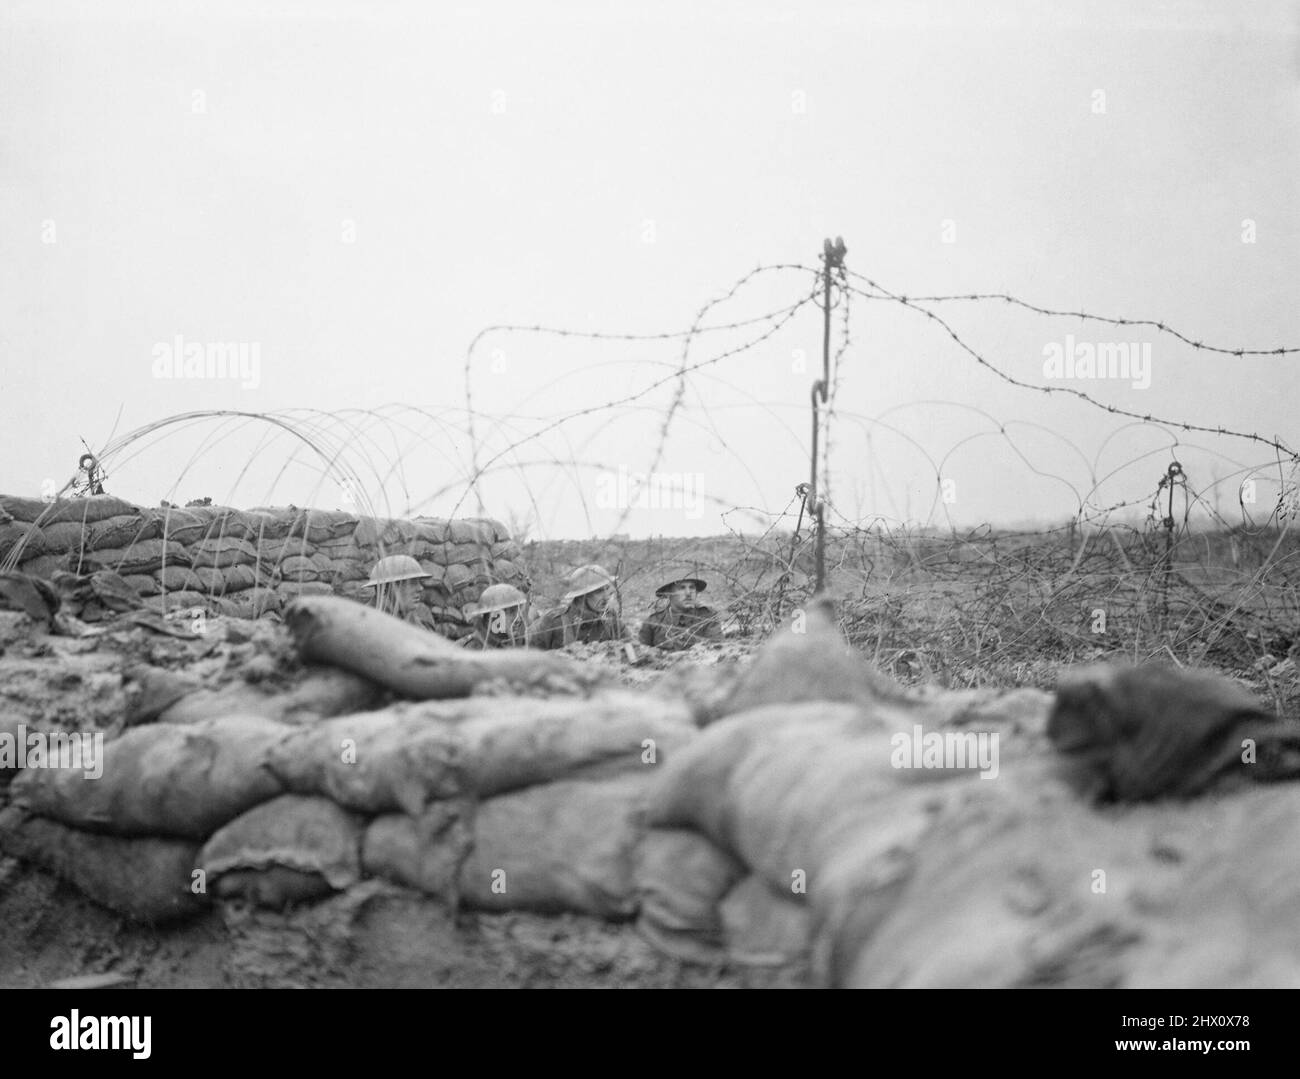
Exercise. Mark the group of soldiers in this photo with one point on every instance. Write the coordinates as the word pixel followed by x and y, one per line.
pixel 502 617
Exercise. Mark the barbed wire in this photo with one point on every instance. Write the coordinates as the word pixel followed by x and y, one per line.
pixel 910 304
pixel 1085 315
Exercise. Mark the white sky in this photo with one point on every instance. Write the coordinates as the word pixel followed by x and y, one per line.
pixel 598 167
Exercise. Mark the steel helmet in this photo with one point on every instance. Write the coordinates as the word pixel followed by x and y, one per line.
pixel 664 589
pixel 396 567
pixel 496 597
pixel 586 579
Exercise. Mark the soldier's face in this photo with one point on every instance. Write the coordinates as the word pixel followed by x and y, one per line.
pixel 597 600
pixel 408 594
pixel 682 597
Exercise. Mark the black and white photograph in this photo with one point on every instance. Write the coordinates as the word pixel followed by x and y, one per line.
pixel 629 495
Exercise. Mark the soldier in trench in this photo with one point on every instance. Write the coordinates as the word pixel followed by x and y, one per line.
pixel 499 619
pixel 588 612
pixel 398 581
pixel 681 620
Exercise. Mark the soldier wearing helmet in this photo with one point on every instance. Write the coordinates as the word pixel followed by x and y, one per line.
pixel 588 612
pixel 499 619
pixel 397 581
pixel 681 621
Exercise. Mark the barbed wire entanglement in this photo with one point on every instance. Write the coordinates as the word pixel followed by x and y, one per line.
pixel 1173 534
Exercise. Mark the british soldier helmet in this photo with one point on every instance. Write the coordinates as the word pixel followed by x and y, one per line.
pixel 664 589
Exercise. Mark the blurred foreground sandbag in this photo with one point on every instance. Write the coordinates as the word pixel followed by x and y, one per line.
pixel 517 742
pixel 777 785
pixel 322 693
pixel 284 851
pixel 1134 733
pixel 764 927
pixel 681 878
pixel 409 660
pixel 376 762
pixel 425 851
pixel 147 879
pixel 829 800
pixel 162 780
pixel 410 754
pixel 1022 711
pixel 1021 890
pixel 809 660
pixel 566 846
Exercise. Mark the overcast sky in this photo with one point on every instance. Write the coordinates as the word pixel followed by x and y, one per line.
pixel 353 192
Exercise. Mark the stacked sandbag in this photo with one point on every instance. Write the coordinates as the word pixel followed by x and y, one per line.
pixel 251 563
pixel 487 803
pixel 497 803
pixel 127 831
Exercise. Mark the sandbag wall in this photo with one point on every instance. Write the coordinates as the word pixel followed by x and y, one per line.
pixel 248 563
pixel 491 804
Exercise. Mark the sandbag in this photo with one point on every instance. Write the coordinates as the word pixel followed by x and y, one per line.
pixel 324 692
pixel 163 780
pixel 471 530
pixel 317 525
pixel 425 851
pixel 347 570
pixel 297 568
pixel 566 846
pixel 809 661
pixel 681 878
pixel 386 532
pixel 179 579
pixel 147 556
pixel 461 554
pixel 765 928
pixel 113 591
pixel 516 743
pixel 33 596
pixel 232 608
pixel 1021 891
pixel 431 529
pixel 270 553
pixel 64 536
pixel 143 584
pixel 407 659
pixel 240 577
pixel 315 841
pixel 456 576
pixel 27 538
pixel 262 600
pixel 249 525
pixel 44 565
pixel 123 531
pixel 220 553
pixel 147 879
pixel 781 787
pixel 506 549
pixel 376 762
pixel 82 510
pixel 264 525
pixel 184 526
